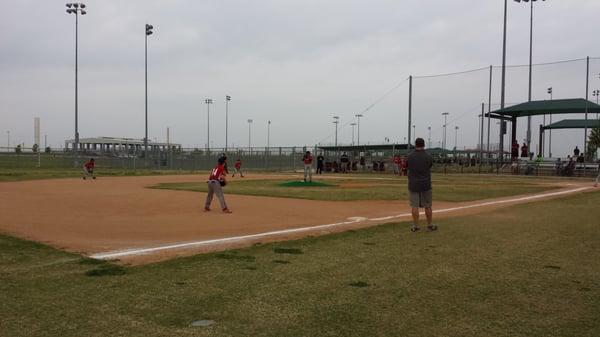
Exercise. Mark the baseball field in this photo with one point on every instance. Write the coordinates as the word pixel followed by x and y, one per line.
pixel 128 255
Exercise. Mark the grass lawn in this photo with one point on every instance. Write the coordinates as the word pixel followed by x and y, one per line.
pixel 47 173
pixel 446 188
pixel 533 271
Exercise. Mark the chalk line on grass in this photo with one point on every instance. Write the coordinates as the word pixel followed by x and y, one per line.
pixel 349 221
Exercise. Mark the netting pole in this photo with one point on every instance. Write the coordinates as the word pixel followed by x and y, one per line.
pixel 489 113
pixel 409 107
pixel 587 93
pixel 530 78
pixel 503 86
pixel 481 139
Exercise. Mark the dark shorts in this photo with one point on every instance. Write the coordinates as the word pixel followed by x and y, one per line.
pixel 420 199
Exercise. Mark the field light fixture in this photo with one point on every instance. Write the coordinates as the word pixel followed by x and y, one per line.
pixel 76 8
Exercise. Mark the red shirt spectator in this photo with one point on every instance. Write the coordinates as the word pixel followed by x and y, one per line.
pixel 238 164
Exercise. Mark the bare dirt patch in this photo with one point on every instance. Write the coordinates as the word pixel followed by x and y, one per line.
pixel 118 213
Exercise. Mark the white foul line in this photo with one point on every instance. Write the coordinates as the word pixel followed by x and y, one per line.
pixel 140 251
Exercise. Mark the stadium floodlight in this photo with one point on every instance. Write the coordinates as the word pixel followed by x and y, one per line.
pixel 76 8
pixel 208 102
pixel 336 121
pixel 148 33
pixel 353 125
pixel 596 93
pixel 445 114
pixel 358 116
pixel 227 99
pixel 250 135
pixel 456 137
pixel 429 137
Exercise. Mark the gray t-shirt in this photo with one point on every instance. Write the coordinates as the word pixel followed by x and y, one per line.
pixel 419 171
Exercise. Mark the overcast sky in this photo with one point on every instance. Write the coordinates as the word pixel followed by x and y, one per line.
pixel 296 63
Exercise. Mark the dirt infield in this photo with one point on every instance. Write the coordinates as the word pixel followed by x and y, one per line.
pixel 119 213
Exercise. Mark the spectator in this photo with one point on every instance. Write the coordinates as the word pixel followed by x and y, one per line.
pixel 345 161
pixel 363 163
pixel 514 154
pixel 576 151
pixel 524 150
pixel 558 166
pixel 320 160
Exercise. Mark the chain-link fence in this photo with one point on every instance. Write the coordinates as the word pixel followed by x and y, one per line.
pixel 283 159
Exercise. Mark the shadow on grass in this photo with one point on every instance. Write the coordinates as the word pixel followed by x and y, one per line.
pixel 359 284
pixel 294 251
pixel 281 261
pixel 231 256
pixel 106 270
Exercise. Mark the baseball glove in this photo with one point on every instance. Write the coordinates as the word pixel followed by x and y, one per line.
pixel 223 182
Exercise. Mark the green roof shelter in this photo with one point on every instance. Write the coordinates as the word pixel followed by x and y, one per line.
pixel 545 107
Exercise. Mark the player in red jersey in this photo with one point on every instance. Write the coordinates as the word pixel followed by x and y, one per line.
pixel 307 159
pixel 397 165
pixel 238 168
pixel 88 169
pixel 404 166
pixel 216 181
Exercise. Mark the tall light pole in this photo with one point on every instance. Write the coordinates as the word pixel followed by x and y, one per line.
pixel 414 133
pixel 208 102
pixel 597 94
pixel 227 99
pixel 148 33
pixel 336 121
pixel 8 140
pixel 250 135
pixel 429 137
pixel 353 125
pixel 268 135
pixel 76 8
pixel 445 114
pixel 358 116
pixel 550 135
pixel 456 137
pixel 530 63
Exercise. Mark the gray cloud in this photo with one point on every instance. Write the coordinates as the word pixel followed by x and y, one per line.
pixel 296 63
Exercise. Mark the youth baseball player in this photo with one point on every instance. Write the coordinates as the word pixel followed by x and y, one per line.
pixel 88 169
pixel 307 159
pixel 216 181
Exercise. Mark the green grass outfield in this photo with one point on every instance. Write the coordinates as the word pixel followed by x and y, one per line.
pixel 533 270
pixel 446 188
pixel 47 173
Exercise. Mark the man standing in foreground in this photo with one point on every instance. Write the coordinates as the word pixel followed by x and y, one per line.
pixel 419 184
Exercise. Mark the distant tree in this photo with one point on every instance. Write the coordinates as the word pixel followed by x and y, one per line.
pixel 18 149
pixel 35 148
